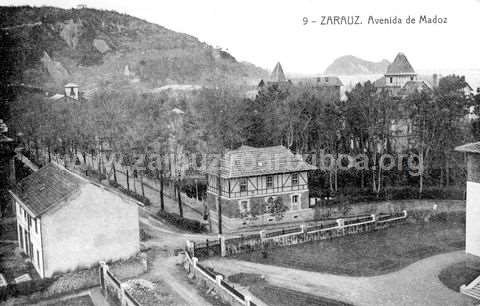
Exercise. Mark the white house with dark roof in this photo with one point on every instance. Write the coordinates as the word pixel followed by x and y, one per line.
pixel 259 186
pixel 66 221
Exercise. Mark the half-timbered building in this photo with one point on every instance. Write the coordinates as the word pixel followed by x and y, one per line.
pixel 258 186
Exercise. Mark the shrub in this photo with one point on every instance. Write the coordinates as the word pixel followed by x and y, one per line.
pixel 184 223
pixel 24 288
pixel 96 174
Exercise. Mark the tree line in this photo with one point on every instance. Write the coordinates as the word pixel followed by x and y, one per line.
pixel 370 122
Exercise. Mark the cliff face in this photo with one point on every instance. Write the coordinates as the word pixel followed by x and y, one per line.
pixel 351 65
pixel 48 46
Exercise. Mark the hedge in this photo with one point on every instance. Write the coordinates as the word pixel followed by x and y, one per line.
pixel 183 223
pixel 24 288
pixel 131 193
pixel 358 195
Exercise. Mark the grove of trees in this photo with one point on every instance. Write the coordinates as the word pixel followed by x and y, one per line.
pixel 220 118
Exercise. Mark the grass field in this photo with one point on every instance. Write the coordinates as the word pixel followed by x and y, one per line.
pixel 372 253
pixel 461 273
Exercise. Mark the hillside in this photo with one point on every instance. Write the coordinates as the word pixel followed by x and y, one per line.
pixel 47 47
pixel 351 65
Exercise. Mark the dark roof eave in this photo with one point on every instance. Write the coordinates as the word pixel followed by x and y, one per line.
pixel 261 174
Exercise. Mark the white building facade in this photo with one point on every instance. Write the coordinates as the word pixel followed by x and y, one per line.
pixel 66 222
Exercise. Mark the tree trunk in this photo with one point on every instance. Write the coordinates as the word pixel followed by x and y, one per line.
pixel 179 194
pixel 128 181
pixel 162 203
pixel 114 172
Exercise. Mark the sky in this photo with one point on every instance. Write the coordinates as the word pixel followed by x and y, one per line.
pixel 264 32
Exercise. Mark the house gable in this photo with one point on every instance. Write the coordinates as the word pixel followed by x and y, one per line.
pixel 97 225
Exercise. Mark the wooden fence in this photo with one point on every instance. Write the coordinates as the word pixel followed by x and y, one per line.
pixel 294 235
pixel 112 288
pixel 211 279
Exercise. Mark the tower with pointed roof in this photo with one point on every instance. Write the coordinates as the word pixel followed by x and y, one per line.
pixel 277 74
pixel 399 72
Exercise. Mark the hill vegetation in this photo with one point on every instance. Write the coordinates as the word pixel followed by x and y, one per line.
pixel 47 46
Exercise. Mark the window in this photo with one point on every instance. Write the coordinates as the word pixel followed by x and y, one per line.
pixel 391 80
pixel 244 206
pixel 295 202
pixel 36 226
pixel 411 78
pixel 270 181
pixel 294 179
pixel 38 260
pixel 243 185
pixel 20 234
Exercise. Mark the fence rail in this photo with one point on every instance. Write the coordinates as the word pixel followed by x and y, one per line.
pixel 113 289
pixel 226 291
pixel 296 235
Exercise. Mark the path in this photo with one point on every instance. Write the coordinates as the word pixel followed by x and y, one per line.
pixel 416 284
pixel 165 269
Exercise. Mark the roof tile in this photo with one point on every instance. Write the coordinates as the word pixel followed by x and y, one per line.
pixel 249 161
pixel 49 186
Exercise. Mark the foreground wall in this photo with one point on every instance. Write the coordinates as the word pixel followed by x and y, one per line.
pixel 472 238
pixel 97 225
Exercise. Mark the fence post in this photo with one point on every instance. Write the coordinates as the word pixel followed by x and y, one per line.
pixel 405 213
pixel 223 249
pixel 124 297
pixel 195 261
pixel 302 227
pixel 218 279
pixel 341 224
pixel 373 217
pixel 248 299
pixel 102 270
pixel 262 235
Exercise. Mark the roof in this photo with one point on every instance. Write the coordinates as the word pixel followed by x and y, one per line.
pixel 56 97
pixel 277 74
pixel 71 85
pixel 418 85
pixel 469 148
pixel 178 111
pixel 324 81
pixel 47 187
pixel 248 161
pixel 400 65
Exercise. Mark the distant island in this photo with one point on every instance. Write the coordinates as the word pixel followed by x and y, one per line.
pixel 351 65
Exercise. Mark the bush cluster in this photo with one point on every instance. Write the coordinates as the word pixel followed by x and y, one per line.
pixel 356 195
pixel 183 223
pixel 24 288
